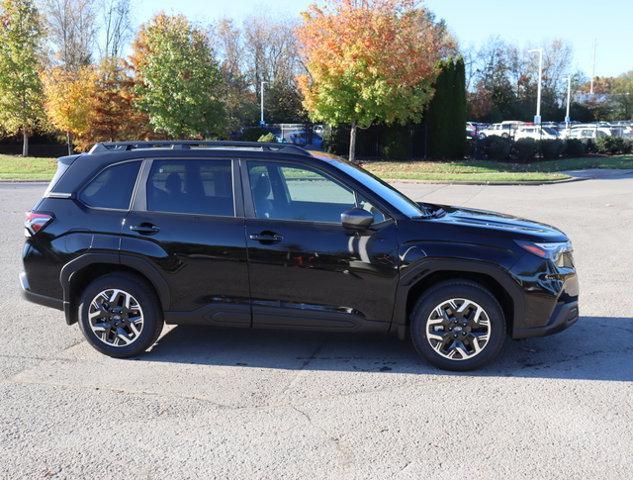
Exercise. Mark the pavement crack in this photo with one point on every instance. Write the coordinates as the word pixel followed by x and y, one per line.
pixel 405 466
pixel 345 455
pixel 312 356
pixel 303 366
pixel 125 391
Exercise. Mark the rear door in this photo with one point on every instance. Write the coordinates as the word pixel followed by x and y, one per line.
pixel 187 220
pixel 306 269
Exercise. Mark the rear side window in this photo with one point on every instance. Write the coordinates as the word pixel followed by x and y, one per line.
pixel 201 187
pixel 61 169
pixel 112 188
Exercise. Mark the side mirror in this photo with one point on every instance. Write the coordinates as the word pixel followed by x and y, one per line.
pixel 357 219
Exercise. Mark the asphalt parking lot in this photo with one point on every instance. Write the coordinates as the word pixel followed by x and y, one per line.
pixel 208 403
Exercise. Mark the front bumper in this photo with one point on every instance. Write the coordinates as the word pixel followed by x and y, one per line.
pixel 32 297
pixel 564 315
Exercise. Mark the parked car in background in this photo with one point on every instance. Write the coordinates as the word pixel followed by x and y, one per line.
pixel 504 129
pixel 588 132
pixel 536 132
pixel 471 131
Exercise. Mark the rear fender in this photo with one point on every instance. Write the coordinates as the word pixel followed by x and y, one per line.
pixel 143 267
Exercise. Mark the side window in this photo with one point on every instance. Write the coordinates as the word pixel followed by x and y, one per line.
pixel 284 192
pixel 309 186
pixel 202 187
pixel 112 188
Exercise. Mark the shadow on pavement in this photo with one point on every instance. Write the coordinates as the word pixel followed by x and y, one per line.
pixel 596 348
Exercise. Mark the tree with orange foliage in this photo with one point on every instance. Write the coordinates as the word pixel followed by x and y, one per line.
pixel 115 115
pixel 368 61
pixel 70 100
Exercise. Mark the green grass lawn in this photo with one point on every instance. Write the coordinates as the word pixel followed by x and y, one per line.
pixel 30 168
pixel 489 171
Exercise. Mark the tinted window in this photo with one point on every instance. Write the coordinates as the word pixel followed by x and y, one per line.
pixel 382 189
pixel 191 186
pixel 112 188
pixel 285 192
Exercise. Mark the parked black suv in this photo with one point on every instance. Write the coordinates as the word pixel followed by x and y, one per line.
pixel 132 235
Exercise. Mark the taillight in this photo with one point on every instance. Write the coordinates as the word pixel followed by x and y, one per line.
pixel 34 222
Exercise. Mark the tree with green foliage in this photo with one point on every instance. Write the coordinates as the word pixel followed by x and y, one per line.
pixel 21 92
pixel 446 118
pixel 284 103
pixel 178 80
pixel 622 94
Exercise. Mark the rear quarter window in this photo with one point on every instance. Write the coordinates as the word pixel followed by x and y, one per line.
pixel 112 188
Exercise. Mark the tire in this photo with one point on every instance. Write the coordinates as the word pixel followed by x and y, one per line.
pixel 480 333
pixel 140 294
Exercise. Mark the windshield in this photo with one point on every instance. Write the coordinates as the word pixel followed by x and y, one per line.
pixel 551 131
pixel 405 205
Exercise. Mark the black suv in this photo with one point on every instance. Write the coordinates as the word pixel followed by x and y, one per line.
pixel 253 235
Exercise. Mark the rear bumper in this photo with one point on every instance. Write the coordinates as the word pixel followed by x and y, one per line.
pixel 564 315
pixel 32 297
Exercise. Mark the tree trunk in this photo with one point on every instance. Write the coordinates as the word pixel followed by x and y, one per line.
pixel 69 142
pixel 352 143
pixel 25 143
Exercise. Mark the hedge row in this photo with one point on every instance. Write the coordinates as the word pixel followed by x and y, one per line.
pixel 528 150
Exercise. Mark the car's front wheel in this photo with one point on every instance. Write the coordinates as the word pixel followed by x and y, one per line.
pixel 119 315
pixel 458 325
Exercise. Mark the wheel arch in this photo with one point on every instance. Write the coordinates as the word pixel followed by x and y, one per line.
pixel 493 278
pixel 75 275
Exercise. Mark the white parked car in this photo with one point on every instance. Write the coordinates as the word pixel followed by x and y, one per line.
pixel 536 132
pixel 504 129
pixel 588 132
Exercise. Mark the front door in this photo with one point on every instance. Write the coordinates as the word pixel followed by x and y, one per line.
pixel 306 269
pixel 188 223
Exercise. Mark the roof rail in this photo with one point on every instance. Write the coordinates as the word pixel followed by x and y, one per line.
pixel 196 144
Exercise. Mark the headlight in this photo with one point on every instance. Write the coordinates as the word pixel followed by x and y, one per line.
pixel 552 251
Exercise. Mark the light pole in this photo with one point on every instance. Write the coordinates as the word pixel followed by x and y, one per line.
pixel 593 70
pixel 567 117
pixel 537 117
pixel 261 93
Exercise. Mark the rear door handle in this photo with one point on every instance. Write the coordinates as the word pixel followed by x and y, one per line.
pixel 266 237
pixel 145 228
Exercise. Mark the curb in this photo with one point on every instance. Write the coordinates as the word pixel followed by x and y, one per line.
pixel 24 182
pixel 535 183
pixel 390 180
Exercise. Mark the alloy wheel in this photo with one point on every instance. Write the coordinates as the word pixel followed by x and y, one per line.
pixel 116 318
pixel 458 329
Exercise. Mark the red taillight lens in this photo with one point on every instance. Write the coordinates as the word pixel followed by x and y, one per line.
pixel 34 222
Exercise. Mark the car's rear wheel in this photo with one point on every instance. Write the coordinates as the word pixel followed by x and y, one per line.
pixel 458 325
pixel 119 315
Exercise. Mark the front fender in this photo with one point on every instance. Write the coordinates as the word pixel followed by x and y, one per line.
pixel 423 267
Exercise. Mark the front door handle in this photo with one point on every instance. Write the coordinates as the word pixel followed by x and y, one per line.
pixel 145 228
pixel 266 237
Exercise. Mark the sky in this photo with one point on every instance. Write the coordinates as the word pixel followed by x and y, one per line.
pixel 523 22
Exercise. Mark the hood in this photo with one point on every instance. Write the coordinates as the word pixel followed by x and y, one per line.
pixel 518 227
